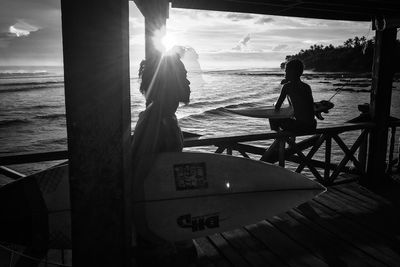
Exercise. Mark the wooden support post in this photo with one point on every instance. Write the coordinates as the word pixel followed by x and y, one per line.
pixel 155 14
pixel 220 149
pixel 381 91
pixel 281 149
pixel 391 149
pixel 362 153
pixel 328 150
pixel 97 98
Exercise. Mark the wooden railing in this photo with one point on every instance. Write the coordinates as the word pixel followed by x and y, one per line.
pixel 324 170
pixel 391 161
pixel 290 151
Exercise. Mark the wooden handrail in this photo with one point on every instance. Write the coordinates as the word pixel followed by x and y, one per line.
pixel 13 174
pixel 216 140
pixel 198 141
pixel 394 123
pixel 33 157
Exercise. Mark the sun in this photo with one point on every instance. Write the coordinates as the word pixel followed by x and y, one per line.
pixel 168 41
pixel 163 41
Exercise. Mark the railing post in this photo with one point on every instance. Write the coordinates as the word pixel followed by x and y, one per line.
pixel 362 153
pixel 281 142
pixel 398 157
pixel 391 149
pixel 381 91
pixel 328 149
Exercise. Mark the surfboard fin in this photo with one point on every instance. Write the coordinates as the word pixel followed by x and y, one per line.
pixel 319 116
pixel 322 106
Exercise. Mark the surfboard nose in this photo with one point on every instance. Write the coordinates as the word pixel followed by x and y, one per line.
pixel 23 217
pixel 318 188
pixel 312 184
pixel 307 184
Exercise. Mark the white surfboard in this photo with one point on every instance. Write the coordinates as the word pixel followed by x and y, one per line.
pixel 185 195
pixel 283 113
pixel 264 112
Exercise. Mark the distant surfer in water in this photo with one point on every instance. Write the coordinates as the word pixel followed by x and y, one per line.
pixel 300 97
pixel 164 85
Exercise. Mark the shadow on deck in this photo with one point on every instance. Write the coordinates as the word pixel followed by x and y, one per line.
pixel 346 226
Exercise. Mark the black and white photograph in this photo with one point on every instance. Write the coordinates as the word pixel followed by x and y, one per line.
pixel 199 133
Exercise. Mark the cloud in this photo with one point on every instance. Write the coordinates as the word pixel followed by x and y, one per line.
pixel 242 44
pixel 279 47
pixel 245 40
pixel 22 28
pixel 239 16
pixel 264 20
pixel 41 47
pixel 230 60
pixel 30 32
pixel 18 30
pixel 205 31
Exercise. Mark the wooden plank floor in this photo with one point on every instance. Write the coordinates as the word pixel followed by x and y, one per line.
pixel 346 226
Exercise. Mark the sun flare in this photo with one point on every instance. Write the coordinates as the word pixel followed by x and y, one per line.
pixel 164 41
pixel 168 41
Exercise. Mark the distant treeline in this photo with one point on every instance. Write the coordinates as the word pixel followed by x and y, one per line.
pixel 355 55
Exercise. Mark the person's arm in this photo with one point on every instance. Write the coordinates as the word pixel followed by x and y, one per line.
pixel 281 98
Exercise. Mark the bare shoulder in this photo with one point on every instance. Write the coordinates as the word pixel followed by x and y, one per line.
pixel 304 85
pixel 287 86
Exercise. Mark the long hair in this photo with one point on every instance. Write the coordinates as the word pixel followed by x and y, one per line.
pixel 164 78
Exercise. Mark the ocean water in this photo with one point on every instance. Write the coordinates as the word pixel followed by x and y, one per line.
pixel 32 111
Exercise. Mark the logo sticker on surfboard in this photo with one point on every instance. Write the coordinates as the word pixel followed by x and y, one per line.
pixel 190 176
pixel 199 223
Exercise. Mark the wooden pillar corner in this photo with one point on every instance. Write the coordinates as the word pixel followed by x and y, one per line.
pixel 380 102
pixel 97 99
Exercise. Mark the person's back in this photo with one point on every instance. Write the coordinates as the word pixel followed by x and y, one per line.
pixel 300 97
pixel 164 85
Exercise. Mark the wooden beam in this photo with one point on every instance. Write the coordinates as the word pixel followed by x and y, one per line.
pixel 348 155
pixel 381 92
pixel 97 98
pixel 385 23
pixel 311 153
pixel 33 157
pixel 226 139
pixel 11 173
pixel 155 14
pixel 284 8
pixel 338 10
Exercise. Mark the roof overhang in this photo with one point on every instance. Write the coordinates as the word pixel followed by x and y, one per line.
pixel 353 10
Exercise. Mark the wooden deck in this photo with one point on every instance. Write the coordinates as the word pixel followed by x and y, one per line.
pixel 346 226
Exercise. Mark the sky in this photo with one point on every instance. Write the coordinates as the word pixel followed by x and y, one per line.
pixel 30 34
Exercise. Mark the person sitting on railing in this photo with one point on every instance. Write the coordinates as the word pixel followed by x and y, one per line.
pixel 300 97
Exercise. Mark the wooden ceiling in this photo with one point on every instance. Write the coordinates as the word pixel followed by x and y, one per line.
pixel 354 10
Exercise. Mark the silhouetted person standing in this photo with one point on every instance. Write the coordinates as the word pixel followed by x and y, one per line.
pixel 164 85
